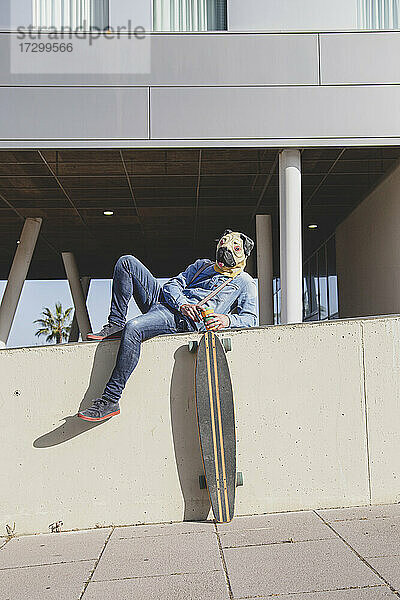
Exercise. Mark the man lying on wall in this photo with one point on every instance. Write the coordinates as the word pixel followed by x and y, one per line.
pixel 173 308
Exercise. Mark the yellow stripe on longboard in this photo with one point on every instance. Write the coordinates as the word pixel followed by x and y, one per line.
pixel 213 425
pixel 220 427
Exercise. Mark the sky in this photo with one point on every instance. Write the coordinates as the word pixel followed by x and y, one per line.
pixel 36 294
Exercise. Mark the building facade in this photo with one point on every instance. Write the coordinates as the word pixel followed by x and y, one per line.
pixel 307 94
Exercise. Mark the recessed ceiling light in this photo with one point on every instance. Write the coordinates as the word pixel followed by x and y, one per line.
pixel 313 226
pixel 108 213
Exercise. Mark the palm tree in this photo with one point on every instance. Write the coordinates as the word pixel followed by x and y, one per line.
pixel 55 327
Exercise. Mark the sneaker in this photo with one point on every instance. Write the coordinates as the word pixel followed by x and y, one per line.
pixel 110 331
pixel 102 409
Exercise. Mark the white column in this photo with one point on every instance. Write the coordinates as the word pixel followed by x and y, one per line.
pixel 16 278
pixel 74 332
pixel 265 269
pixel 78 295
pixel 290 230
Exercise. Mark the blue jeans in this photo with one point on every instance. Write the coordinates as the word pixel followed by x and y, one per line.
pixel 132 278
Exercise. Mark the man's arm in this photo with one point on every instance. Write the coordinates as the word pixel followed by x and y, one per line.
pixel 173 288
pixel 246 307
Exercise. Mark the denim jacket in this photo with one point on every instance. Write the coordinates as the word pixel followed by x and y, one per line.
pixel 240 293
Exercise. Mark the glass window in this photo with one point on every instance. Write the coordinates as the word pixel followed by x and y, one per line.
pixel 322 285
pixel 189 15
pixel 333 297
pixel 378 14
pixel 74 14
pixel 320 290
pixel 320 294
pixel 278 296
pixel 313 15
pixel 332 279
pixel 314 288
pixel 306 291
pixel 276 286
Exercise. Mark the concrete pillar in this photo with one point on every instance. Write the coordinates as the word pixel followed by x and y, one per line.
pixel 74 332
pixel 290 233
pixel 16 278
pixel 265 271
pixel 78 295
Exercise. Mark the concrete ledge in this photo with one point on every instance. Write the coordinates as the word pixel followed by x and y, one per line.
pixel 316 412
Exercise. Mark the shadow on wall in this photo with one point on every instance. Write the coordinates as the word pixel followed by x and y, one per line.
pixel 73 425
pixel 185 436
pixel 183 421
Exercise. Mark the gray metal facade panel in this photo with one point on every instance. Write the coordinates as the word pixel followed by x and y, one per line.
pixel 292 15
pixel 360 58
pixel 200 59
pixel 73 113
pixel 279 112
pixel 240 59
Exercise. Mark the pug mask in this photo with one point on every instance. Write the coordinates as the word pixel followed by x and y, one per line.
pixel 232 252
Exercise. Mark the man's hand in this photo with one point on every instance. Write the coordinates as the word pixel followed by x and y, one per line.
pixel 191 311
pixel 217 322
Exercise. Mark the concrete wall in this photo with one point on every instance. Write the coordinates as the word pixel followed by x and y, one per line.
pixel 314 419
pixel 368 253
pixel 207 89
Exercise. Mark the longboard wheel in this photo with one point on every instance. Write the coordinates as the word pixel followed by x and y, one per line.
pixel 227 344
pixel 193 346
pixel 202 482
pixel 239 479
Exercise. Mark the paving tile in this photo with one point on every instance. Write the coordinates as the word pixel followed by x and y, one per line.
pixel 389 568
pixel 300 567
pixel 299 519
pixel 166 555
pixel 360 512
pixel 164 529
pixel 371 537
pixel 50 582
pixel 53 548
pixel 196 586
pixel 269 529
pixel 371 593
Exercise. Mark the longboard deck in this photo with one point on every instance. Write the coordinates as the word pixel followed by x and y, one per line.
pixel 216 422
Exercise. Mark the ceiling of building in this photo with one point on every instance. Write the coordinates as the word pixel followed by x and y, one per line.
pixel 169 205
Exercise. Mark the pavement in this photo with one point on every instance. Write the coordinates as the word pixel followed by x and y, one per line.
pixel 334 554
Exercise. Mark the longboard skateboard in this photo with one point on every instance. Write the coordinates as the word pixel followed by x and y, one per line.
pixel 216 422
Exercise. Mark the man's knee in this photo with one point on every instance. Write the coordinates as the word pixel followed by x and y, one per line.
pixel 133 330
pixel 126 258
pixel 126 261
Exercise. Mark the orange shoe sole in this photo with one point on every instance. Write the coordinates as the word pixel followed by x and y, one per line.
pixel 99 338
pixel 99 418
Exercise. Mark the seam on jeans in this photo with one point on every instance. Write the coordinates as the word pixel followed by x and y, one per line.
pixel 117 324
pixel 140 283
